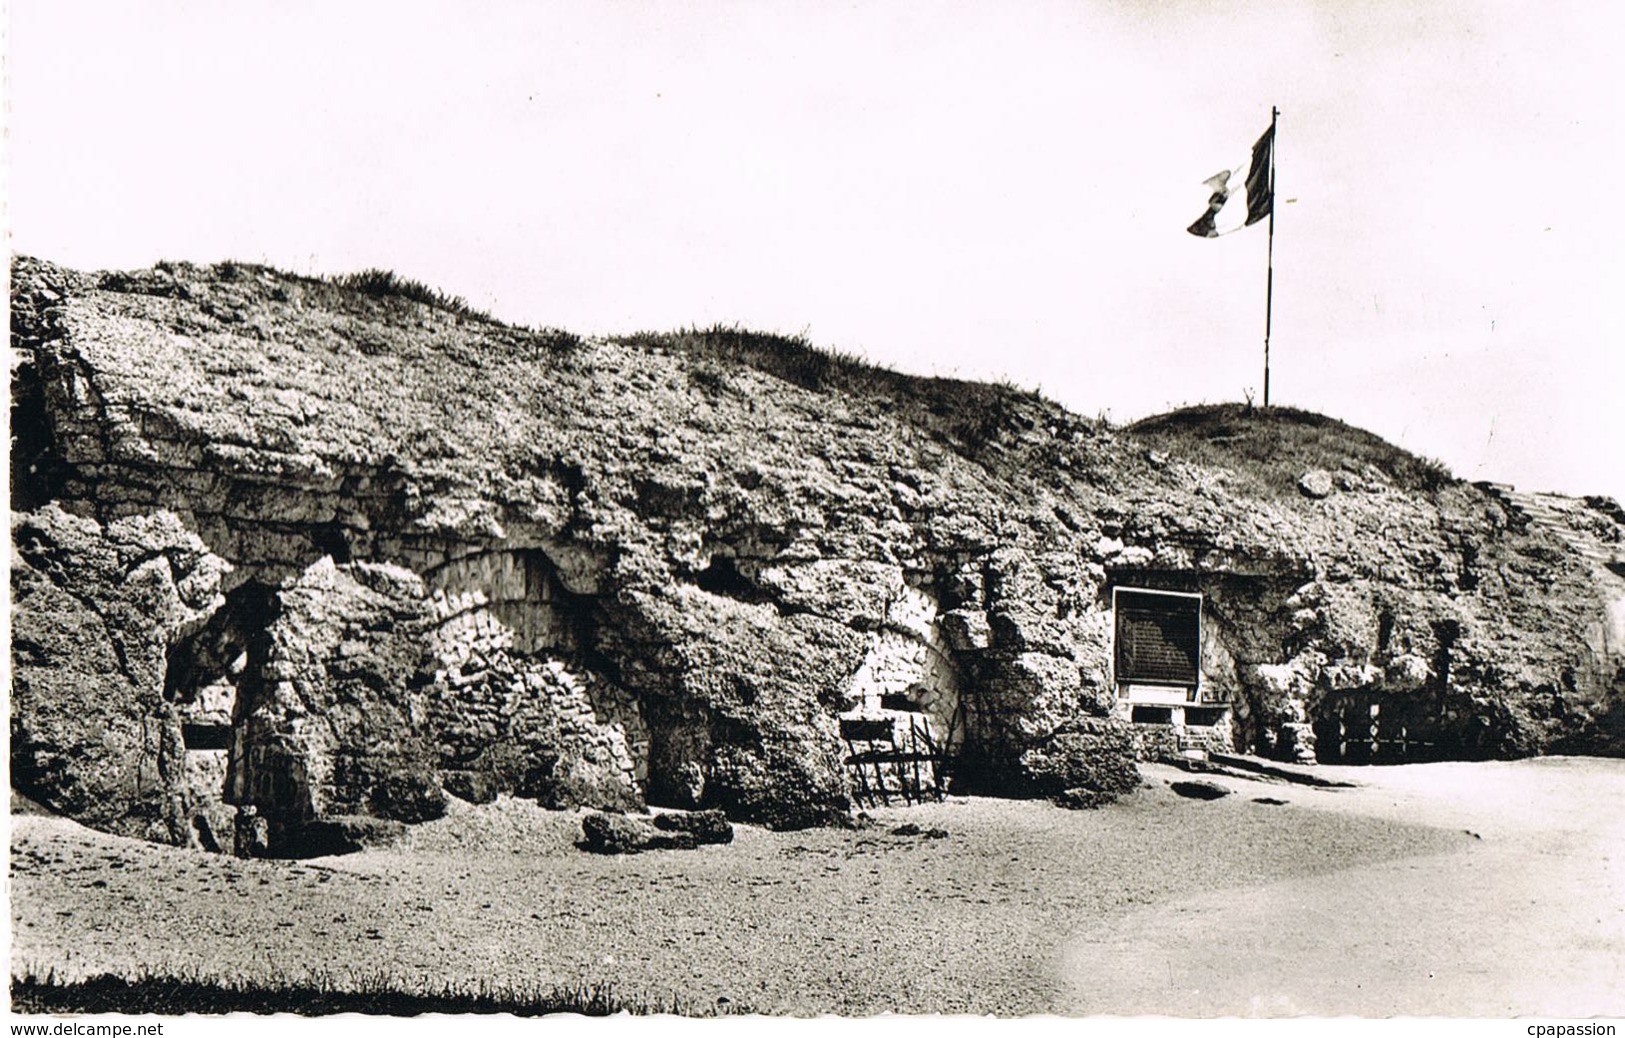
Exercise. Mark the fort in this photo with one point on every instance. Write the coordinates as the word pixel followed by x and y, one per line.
pixel 289 556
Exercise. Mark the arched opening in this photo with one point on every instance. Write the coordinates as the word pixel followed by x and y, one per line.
pixel 212 678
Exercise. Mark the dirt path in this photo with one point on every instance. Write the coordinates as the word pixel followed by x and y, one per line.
pixel 1529 919
pixel 842 921
pixel 1158 904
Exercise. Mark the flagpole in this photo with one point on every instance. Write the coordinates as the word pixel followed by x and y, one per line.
pixel 1269 262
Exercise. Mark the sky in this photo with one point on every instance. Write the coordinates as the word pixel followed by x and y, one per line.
pixel 983 190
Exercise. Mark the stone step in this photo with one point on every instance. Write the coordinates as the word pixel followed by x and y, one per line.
pixel 1566 518
pixel 1557 515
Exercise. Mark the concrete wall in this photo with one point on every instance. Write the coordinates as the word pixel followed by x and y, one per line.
pixel 908 658
pixel 503 686
pixel 908 679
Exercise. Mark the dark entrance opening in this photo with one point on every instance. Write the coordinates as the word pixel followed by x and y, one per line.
pixel 1373 727
pixel 36 474
pixel 1152 715
pixel 236 632
pixel 722 577
pixel 1205 716
pixel 196 736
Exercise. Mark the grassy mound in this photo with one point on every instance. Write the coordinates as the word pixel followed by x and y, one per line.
pixel 1271 447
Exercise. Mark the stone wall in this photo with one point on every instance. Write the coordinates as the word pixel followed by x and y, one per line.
pixel 908 683
pixel 512 712
pixel 516 591
pixel 346 690
pixel 739 700
pixel 94 611
pixel 397 574
pixel 1173 740
pixel 331 724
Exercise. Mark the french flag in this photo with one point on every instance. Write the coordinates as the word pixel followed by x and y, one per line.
pixel 1236 203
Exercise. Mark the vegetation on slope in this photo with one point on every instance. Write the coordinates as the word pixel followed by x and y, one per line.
pixel 1269 447
pixel 386 283
pixel 1272 447
pixel 967 415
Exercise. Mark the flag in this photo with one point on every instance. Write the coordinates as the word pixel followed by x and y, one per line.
pixel 1234 204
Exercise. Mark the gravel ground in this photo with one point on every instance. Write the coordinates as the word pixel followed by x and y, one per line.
pixel 1526 918
pixel 984 920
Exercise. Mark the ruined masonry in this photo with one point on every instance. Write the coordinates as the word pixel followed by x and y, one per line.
pixel 293 565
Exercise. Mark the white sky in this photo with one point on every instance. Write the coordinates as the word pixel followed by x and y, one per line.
pixel 979 189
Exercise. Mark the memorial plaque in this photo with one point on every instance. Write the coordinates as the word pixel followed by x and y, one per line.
pixel 1158 637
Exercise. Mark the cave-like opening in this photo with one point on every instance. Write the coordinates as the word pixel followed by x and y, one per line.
pixel 37 473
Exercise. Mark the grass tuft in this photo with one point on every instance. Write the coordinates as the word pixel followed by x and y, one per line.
pixel 321 994
pixel 792 358
pixel 969 416
pixel 383 284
